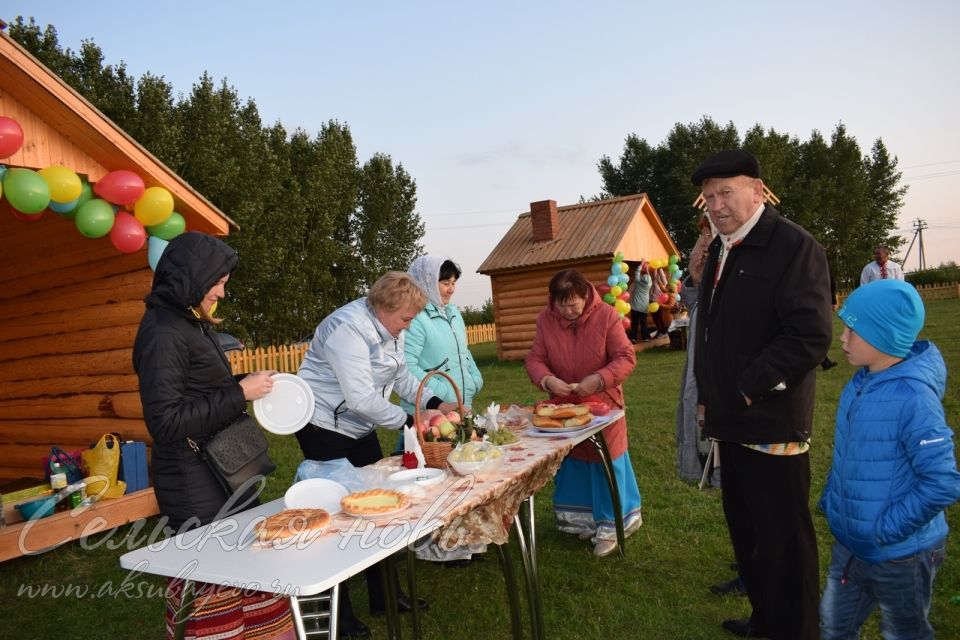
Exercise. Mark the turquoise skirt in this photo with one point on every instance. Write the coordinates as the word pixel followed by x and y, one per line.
pixel 581 500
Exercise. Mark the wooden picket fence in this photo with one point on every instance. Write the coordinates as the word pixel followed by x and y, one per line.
pixel 477 333
pixel 927 292
pixel 287 358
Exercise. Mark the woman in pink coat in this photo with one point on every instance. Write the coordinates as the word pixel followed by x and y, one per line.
pixel 581 350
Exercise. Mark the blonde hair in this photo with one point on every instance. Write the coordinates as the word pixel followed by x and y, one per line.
pixel 396 290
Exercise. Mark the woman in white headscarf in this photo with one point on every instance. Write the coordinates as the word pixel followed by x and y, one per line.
pixel 437 341
pixel 437 337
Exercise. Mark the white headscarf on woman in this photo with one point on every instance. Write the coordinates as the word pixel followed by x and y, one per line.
pixel 426 272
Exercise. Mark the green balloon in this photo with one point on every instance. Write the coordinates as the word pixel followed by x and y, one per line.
pixel 86 195
pixel 26 190
pixel 169 228
pixel 609 298
pixel 95 218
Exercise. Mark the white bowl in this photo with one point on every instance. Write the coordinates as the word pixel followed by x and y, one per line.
pixel 480 467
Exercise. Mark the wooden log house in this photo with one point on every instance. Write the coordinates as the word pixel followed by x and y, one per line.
pixel 70 305
pixel 547 239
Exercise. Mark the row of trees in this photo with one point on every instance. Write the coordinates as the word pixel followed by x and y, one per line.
pixel 316 225
pixel 847 199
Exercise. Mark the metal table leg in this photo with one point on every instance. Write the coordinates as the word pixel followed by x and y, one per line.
pixel 412 590
pixel 601 444
pixel 299 618
pixel 513 593
pixel 532 580
pixel 387 574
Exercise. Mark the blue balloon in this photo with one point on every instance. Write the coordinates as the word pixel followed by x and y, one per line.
pixel 622 279
pixel 615 269
pixel 155 247
pixel 63 207
pixel 612 280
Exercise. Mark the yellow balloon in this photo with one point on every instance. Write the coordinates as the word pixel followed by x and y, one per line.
pixel 622 306
pixel 616 290
pixel 154 206
pixel 64 184
pixel 653 307
pixel 624 267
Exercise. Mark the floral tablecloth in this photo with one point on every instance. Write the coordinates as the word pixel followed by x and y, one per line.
pixel 475 509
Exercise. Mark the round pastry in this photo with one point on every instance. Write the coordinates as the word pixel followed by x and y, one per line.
pixel 566 410
pixel 546 422
pixel 374 502
pixel 291 523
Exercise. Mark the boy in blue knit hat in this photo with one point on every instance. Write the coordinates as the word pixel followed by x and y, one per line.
pixel 893 472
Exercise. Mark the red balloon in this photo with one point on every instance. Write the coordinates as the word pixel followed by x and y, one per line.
pixel 120 187
pixel 11 136
pixel 603 288
pixel 663 298
pixel 625 296
pixel 27 217
pixel 127 234
pixel 626 323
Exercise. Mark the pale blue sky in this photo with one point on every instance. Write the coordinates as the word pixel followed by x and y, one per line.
pixel 492 105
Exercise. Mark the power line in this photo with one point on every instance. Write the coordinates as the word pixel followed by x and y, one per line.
pixel 468 213
pixel 929 164
pixel 942 174
pixel 470 226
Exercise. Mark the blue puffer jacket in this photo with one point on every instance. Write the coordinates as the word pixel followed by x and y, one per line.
pixel 893 470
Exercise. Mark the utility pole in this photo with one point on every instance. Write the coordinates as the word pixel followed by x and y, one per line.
pixel 918 227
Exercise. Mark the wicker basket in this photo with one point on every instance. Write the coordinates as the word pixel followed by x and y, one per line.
pixel 434 453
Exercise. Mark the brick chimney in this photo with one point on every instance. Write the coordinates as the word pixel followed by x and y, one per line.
pixel 545 224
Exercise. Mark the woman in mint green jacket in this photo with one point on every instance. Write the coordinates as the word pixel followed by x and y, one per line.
pixel 437 341
pixel 437 337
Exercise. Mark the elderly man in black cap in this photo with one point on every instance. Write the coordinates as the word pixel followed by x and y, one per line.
pixel 765 326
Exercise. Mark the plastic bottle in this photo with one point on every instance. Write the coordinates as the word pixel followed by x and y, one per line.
pixel 58 478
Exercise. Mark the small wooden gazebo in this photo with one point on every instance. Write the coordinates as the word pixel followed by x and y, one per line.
pixel 547 239
pixel 69 305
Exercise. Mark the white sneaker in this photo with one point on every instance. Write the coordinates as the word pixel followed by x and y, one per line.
pixel 632 527
pixel 604 548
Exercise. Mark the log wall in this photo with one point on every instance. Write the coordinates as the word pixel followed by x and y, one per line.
pixel 69 311
pixel 518 297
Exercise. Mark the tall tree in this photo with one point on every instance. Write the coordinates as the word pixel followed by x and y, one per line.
pixel 315 227
pixel 849 202
pixel 388 227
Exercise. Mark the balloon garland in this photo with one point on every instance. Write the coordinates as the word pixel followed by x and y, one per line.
pixel 97 210
pixel 614 291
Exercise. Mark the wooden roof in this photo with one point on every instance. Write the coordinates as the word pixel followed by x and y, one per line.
pixel 592 229
pixel 61 127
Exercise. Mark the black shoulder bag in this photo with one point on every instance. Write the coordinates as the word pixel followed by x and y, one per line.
pixel 238 452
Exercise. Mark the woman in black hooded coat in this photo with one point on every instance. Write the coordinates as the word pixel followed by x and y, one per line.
pixel 189 393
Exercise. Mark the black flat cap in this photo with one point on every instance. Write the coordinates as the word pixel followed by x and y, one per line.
pixel 726 164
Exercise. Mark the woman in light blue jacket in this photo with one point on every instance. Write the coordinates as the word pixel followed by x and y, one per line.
pixel 437 341
pixel 437 337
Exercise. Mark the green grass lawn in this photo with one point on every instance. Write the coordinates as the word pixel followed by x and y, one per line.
pixel 658 591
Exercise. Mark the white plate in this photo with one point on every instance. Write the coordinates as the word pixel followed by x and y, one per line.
pixel 315 493
pixel 286 409
pixel 562 429
pixel 423 477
